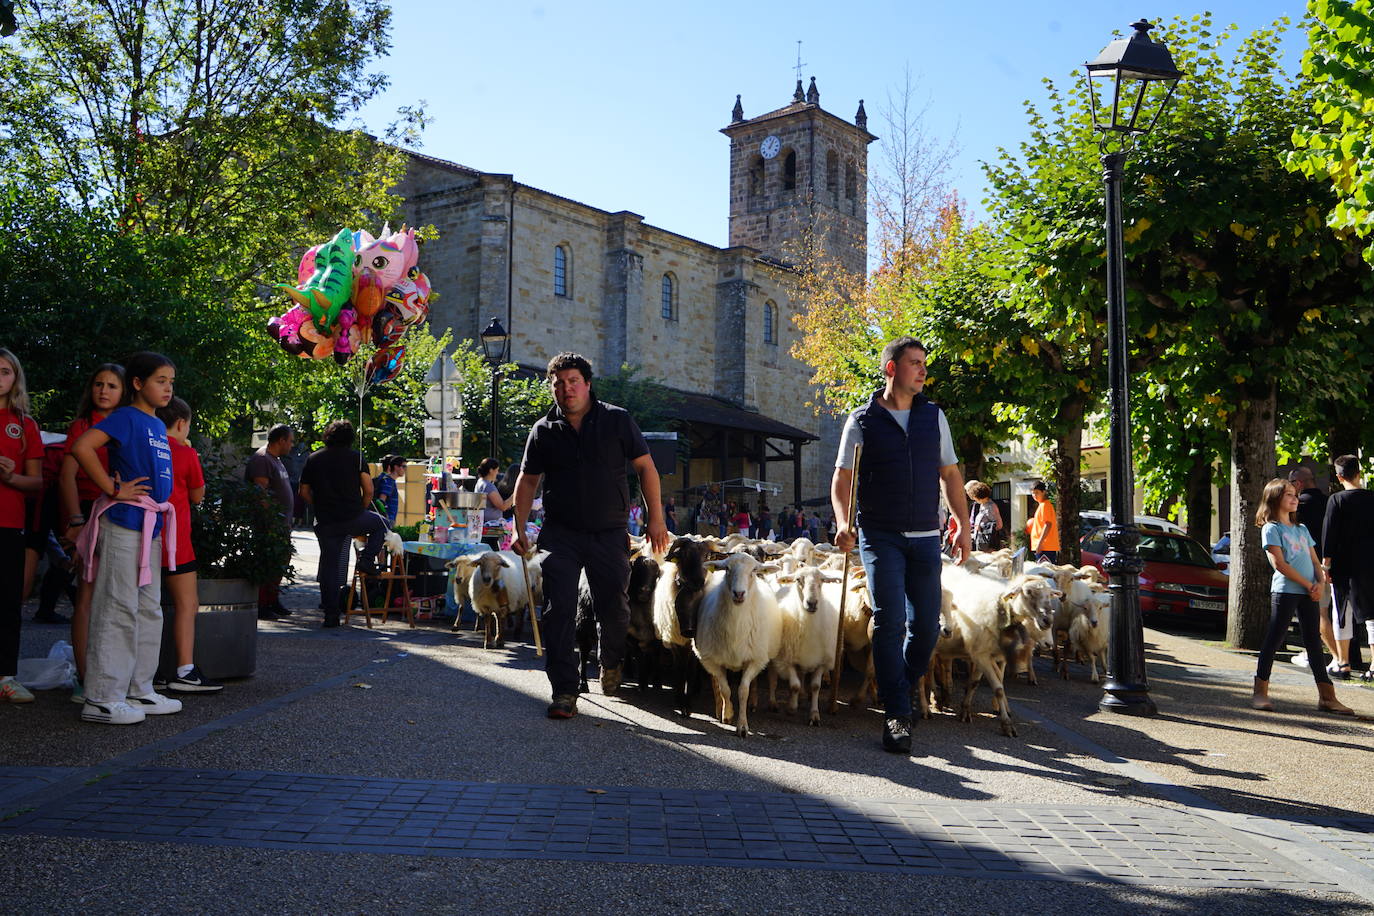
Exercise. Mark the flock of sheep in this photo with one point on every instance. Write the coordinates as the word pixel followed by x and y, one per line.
pixel 736 604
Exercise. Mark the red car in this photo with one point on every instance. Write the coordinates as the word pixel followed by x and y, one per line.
pixel 1180 578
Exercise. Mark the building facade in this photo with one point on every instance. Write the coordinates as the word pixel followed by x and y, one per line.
pixel 713 324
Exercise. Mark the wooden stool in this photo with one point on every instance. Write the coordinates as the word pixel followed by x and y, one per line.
pixel 392 572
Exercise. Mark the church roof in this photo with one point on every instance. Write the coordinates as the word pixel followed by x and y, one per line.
pixel 442 163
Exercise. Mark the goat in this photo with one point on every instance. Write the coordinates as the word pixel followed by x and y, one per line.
pixel 676 605
pixel 810 617
pixel 740 629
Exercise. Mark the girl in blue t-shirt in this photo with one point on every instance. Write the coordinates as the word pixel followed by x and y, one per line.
pixel 126 610
pixel 1295 588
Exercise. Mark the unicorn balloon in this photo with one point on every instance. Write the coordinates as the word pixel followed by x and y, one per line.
pixel 378 265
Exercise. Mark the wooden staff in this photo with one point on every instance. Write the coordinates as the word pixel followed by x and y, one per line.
pixel 529 599
pixel 844 584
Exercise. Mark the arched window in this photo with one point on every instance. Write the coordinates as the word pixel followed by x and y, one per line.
pixel 789 171
pixel 668 308
pixel 770 322
pixel 560 270
pixel 851 181
pixel 756 178
pixel 832 176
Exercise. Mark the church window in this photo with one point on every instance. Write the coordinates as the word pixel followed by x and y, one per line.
pixel 851 181
pixel 770 322
pixel 668 298
pixel 756 178
pixel 789 171
pixel 832 176
pixel 560 270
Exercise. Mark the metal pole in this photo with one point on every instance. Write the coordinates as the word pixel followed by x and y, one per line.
pixel 1126 689
pixel 443 410
pixel 495 415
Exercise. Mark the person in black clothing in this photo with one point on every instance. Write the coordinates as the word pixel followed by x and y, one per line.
pixel 583 449
pixel 336 483
pixel 1347 544
pixel 1311 512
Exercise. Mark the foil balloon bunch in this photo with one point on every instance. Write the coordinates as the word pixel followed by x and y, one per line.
pixel 351 290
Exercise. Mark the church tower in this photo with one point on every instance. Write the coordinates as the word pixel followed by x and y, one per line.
pixel 800 169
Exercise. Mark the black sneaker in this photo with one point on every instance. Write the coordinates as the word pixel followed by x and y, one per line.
pixel 897 734
pixel 564 706
pixel 193 681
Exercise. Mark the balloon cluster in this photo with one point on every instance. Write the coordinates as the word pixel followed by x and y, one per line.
pixel 351 290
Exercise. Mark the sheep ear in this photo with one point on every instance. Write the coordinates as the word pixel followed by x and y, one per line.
pixel 831 577
pixel 714 564
pixel 786 578
pixel 768 568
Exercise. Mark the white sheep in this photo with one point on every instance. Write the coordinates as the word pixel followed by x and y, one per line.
pixel 739 629
pixel 1090 634
pixel 810 606
pixel 496 588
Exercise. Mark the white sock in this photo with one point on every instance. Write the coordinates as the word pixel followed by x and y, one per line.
pixel 183 670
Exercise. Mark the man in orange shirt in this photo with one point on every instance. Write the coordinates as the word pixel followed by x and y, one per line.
pixel 1043 527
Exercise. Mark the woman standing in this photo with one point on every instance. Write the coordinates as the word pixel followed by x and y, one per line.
pixel 21 471
pixel 986 518
pixel 494 505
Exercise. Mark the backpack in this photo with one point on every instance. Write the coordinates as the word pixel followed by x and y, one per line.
pixel 985 536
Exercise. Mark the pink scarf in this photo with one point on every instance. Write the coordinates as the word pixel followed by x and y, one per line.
pixel 85 541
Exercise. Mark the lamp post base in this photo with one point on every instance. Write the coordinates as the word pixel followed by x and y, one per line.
pixel 1127 699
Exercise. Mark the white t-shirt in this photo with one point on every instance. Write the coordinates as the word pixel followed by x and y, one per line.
pixel 854 435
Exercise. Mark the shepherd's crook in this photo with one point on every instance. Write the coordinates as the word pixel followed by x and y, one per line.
pixel 529 599
pixel 844 586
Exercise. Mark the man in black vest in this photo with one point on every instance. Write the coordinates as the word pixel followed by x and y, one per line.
pixel 907 462
pixel 583 449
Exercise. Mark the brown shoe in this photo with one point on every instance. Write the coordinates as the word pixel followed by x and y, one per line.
pixel 564 706
pixel 610 680
pixel 1327 702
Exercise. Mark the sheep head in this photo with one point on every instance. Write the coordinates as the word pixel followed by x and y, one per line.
pixel 489 568
pixel 808 581
pixel 741 572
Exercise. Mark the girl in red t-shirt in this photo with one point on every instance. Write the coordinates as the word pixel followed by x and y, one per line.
pixel 103 393
pixel 21 471
pixel 188 489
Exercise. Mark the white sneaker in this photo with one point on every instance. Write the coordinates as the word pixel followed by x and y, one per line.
pixel 1300 659
pixel 119 713
pixel 155 704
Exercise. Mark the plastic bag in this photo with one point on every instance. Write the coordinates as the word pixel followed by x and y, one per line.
pixel 47 673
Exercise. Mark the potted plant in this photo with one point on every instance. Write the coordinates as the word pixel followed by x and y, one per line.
pixel 240 545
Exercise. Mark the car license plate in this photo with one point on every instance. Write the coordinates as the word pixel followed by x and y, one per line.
pixel 1202 605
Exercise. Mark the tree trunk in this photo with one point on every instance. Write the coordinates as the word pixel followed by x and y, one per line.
pixel 1252 466
pixel 1197 498
pixel 1067 458
pixel 971 455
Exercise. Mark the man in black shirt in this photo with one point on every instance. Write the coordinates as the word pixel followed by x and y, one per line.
pixel 583 450
pixel 336 483
pixel 1312 513
pixel 1346 546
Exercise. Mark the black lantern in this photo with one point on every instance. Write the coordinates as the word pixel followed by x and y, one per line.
pixel 1140 77
pixel 494 343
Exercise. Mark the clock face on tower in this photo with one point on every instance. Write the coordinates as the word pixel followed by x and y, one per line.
pixel 770 146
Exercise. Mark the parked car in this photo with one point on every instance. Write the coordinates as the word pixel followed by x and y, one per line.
pixel 1221 553
pixel 1096 518
pixel 1179 579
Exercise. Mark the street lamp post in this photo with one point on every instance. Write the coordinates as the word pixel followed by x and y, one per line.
pixel 494 343
pixel 1140 76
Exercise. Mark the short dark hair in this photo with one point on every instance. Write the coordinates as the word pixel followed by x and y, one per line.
pixel 1300 473
pixel 487 466
pixel 977 489
pixel 141 366
pixel 174 412
pixel 391 461
pixel 278 433
pixel 1040 485
pixel 1347 467
pixel 338 434
pixel 895 348
pixel 570 360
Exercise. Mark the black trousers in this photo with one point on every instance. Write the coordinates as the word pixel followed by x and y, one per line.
pixel 605 557
pixel 11 597
pixel 333 569
pixel 1282 606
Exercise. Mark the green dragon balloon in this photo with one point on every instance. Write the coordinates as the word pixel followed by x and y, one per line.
pixel 329 287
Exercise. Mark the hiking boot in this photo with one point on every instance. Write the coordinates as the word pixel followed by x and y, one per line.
pixel 193 681
pixel 564 706
pixel 153 704
pixel 120 713
pixel 897 734
pixel 610 680
pixel 11 691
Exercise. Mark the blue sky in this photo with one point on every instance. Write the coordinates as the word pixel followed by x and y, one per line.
pixel 619 105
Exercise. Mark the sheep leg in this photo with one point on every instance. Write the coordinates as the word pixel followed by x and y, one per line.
pixel 923 694
pixel 488 622
pixel 721 685
pixel 1061 653
pixel 966 707
pixel 816 696
pixel 745 679
pixel 999 698
pixel 772 688
pixel 794 682
pixel 681 673
pixel 1026 656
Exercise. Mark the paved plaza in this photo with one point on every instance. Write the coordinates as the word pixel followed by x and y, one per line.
pixel 398 770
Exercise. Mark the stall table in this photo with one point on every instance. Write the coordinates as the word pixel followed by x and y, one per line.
pixel 445 552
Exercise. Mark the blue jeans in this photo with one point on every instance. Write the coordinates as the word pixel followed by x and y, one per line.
pixel 904 579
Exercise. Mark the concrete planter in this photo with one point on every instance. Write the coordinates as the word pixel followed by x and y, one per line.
pixel 226 630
